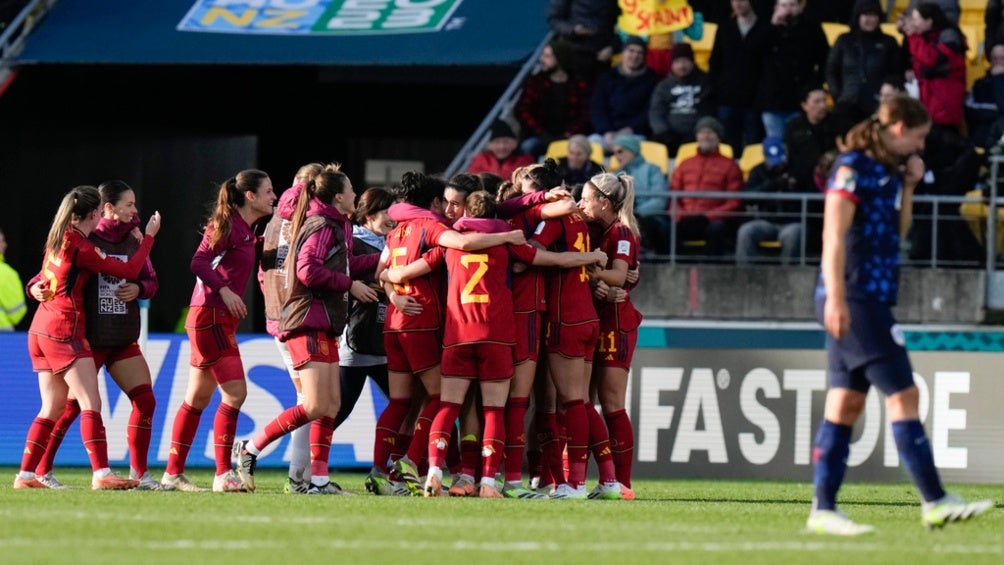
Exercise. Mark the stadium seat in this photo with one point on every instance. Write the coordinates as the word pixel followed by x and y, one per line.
pixel 751 157
pixel 889 28
pixel 702 48
pixel 559 148
pixel 653 152
pixel 688 150
pixel 834 30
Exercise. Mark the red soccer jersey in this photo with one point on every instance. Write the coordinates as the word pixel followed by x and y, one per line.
pixel 619 242
pixel 405 244
pixel 228 263
pixel 569 298
pixel 528 286
pixel 66 273
pixel 479 301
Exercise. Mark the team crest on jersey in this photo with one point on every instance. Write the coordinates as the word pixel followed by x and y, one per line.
pixel 623 247
pixel 845 179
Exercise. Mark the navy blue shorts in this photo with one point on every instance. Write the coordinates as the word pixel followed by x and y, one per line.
pixel 872 352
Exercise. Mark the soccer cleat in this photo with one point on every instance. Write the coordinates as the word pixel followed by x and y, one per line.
pixel 626 493
pixel 146 482
pixel 329 487
pixel 951 508
pixel 606 491
pixel 566 491
pixel 489 491
pixel 433 486
pixel 835 523
pixel 408 471
pixel 463 486
pixel 513 491
pixel 378 483
pixel 228 482
pixel 179 482
pixel 546 490
pixel 50 481
pixel 246 463
pixel 293 486
pixel 111 481
pixel 28 483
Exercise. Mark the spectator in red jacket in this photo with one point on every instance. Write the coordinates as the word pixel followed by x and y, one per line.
pixel 938 51
pixel 503 155
pixel 708 219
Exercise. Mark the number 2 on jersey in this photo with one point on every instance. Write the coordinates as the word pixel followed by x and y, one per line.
pixel 468 296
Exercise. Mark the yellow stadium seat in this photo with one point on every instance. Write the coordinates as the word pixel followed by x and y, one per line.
pixel 653 152
pixel 559 148
pixel 974 40
pixel 889 28
pixel 702 48
pixel 751 157
pixel 688 150
pixel 834 30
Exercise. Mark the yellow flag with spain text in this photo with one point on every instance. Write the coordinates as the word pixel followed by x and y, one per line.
pixel 649 17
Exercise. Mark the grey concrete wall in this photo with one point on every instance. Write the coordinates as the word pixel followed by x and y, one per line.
pixel 785 293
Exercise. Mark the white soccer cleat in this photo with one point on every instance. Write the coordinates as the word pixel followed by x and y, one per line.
pixel 51 481
pixel 179 482
pixel 951 508
pixel 834 523
pixel 566 491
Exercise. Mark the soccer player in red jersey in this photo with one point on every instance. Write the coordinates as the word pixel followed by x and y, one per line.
pixel 608 203
pixel 222 264
pixel 413 328
pixel 113 328
pixel 479 334
pixel 59 350
pixel 313 317
pixel 572 329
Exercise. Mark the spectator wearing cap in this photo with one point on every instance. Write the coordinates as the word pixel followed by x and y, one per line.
pixel 651 190
pixel 707 219
pixel 577 167
pixel 620 101
pixel 773 219
pixel 553 102
pixel 858 63
pixel 502 156
pixel 734 71
pixel 679 100
pixel 794 55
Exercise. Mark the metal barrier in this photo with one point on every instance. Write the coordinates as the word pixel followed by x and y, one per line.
pixel 931 212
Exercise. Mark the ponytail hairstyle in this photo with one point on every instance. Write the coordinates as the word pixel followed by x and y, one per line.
pixel 307 172
pixel 481 204
pixel 866 135
pixel 547 176
pixel 619 191
pixel 231 197
pixel 324 186
pixel 508 189
pixel 76 205
pixel 111 191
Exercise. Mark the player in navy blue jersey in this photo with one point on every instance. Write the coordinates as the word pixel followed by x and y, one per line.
pixel 869 197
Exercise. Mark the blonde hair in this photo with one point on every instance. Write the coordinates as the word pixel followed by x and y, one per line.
pixel 619 191
pixel 76 205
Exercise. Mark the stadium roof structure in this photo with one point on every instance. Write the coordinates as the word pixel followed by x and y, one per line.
pixel 340 33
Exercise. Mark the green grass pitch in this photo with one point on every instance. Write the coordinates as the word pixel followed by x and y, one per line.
pixel 678 521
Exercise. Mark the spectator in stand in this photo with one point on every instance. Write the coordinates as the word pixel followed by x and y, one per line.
pixel 502 156
pixel 951 8
pixel 809 134
pixel 651 189
pixel 774 220
pixel 708 219
pixel 620 101
pixel 577 167
pixel 588 25
pixel 736 59
pixel 679 100
pixel 554 103
pixel 985 102
pixel 938 52
pixel 993 17
pixel 892 86
pixel 794 55
pixel 12 305
pixel 858 62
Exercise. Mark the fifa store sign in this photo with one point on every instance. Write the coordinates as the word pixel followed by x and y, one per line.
pixel 704 413
pixel 319 17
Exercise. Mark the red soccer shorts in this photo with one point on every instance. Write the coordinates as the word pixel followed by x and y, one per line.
pixel 527 337
pixel 109 355
pixel 413 352
pixel 573 341
pixel 615 348
pixel 483 361
pixel 212 335
pixel 312 345
pixel 50 355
